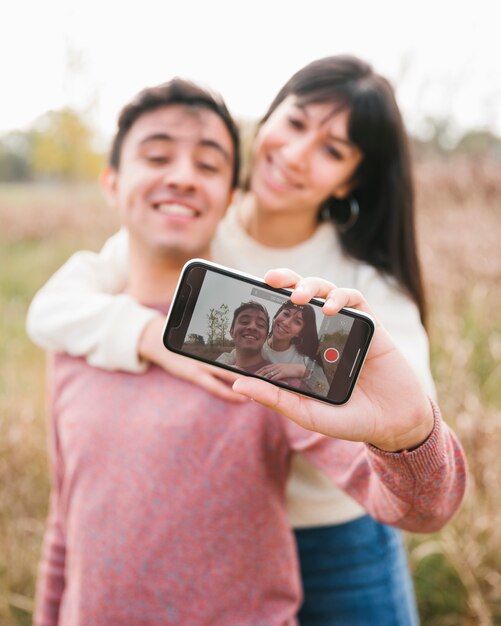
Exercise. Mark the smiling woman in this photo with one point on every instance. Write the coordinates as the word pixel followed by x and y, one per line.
pixel 292 348
pixel 301 156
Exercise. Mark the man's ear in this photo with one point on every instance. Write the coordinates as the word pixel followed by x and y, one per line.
pixel 109 182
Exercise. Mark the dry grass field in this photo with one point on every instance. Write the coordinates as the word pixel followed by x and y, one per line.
pixel 457 571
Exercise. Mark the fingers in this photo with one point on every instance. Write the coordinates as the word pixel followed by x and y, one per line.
pixel 306 412
pixel 273 375
pixel 222 374
pixel 219 388
pixel 304 289
pixel 268 371
pixel 282 277
pixel 215 380
pixel 271 396
pixel 338 298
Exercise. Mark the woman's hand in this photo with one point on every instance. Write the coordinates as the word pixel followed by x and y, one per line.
pixel 215 380
pixel 279 371
pixel 388 407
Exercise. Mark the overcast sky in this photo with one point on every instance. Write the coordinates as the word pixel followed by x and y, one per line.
pixel 443 56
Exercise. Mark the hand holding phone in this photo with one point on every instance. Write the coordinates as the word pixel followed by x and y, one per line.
pixel 235 321
pixel 388 408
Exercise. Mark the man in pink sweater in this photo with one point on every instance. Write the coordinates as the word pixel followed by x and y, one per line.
pixel 167 504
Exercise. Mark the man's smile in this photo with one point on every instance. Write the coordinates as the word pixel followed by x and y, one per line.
pixel 182 210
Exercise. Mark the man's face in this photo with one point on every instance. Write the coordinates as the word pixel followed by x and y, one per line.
pixel 249 331
pixel 173 184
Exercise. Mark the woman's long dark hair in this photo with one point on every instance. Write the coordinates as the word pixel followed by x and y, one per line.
pixel 307 341
pixel 384 233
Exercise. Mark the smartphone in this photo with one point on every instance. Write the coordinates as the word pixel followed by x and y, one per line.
pixel 235 321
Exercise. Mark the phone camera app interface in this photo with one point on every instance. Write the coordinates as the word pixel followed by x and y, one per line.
pixel 264 333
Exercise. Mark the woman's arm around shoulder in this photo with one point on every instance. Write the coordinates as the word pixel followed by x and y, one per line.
pixel 79 309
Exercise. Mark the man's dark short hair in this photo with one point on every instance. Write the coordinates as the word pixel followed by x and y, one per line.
pixel 176 91
pixel 249 305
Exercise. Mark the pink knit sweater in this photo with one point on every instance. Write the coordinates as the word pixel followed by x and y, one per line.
pixel 168 504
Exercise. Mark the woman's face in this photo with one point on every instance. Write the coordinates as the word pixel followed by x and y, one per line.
pixel 302 155
pixel 288 324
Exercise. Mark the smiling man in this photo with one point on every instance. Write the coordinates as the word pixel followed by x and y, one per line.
pixel 249 329
pixel 137 531
pixel 171 176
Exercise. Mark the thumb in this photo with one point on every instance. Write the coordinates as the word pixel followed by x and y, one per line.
pixel 286 402
pixel 257 390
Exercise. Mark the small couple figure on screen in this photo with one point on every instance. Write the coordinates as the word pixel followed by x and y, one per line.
pixel 287 354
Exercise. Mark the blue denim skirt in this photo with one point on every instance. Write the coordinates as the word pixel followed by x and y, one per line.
pixel 355 574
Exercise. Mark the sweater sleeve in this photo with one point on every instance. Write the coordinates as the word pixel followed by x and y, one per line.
pixel 79 310
pixel 228 358
pixel 418 490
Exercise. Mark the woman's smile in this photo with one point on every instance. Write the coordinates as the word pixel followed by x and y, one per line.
pixel 288 324
pixel 278 177
pixel 281 329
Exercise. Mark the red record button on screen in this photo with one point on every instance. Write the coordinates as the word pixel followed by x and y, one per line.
pixel 331 355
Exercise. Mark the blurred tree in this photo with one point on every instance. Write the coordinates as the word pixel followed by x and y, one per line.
pixel 63 147
pixel 212 326
pixel 440 140
pixel 196 339
pixel 477 141
pixel 15 156
pixel 223 321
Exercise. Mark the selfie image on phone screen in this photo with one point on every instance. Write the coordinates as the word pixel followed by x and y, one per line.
pixel 255 329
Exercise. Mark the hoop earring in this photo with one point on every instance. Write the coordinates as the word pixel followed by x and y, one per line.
pixel 325 213
pixel 354 213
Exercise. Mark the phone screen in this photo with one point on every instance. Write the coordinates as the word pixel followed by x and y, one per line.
pixel 237 322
